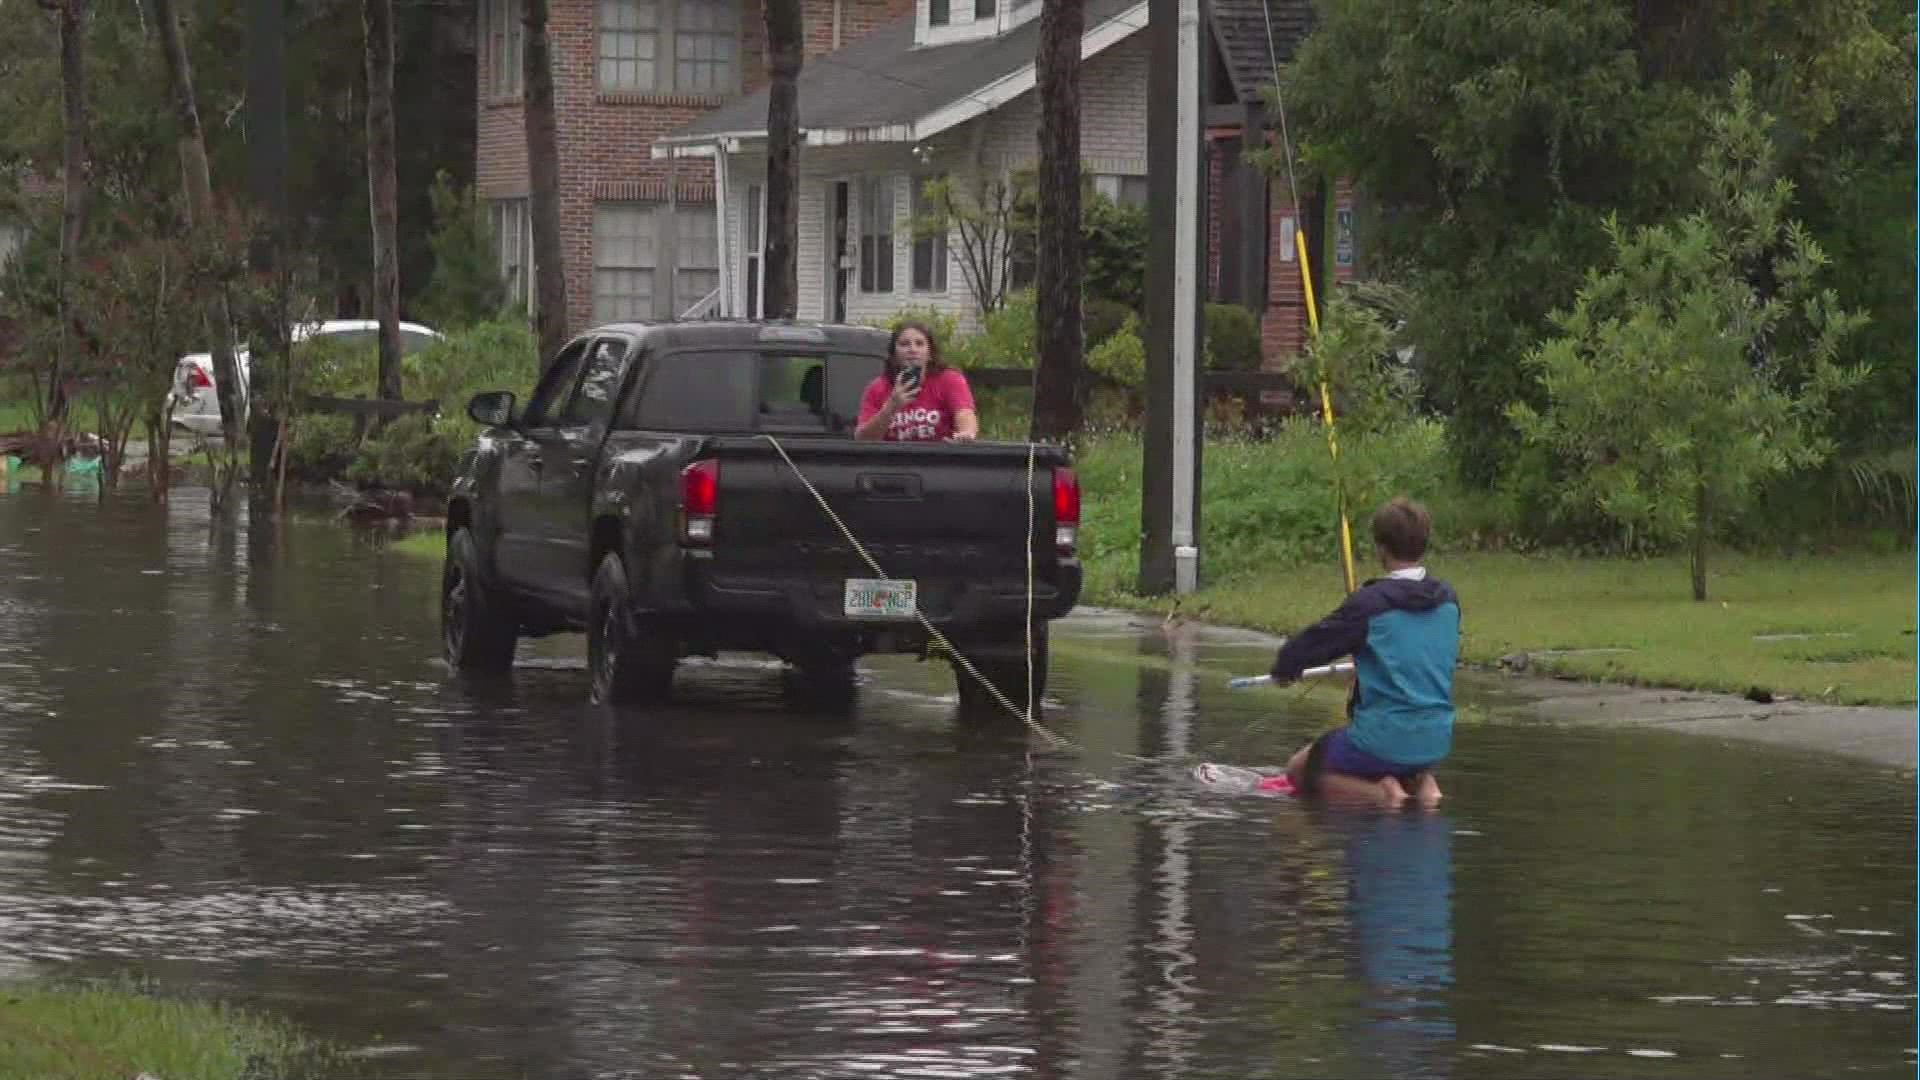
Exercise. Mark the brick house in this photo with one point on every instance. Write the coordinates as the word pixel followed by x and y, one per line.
pixel 893 92
pixel 637 233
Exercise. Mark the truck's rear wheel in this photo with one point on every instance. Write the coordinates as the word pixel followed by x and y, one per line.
pixel 1005 666
pixel 476 632
pixel 628 664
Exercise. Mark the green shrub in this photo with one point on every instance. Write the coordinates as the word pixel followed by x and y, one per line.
pixel 1005 339
pixel 498 355
pixel 320 447
pixel 1115 238
pixel 945 326
pixel 336 367
pixel 414 453
pixel 1371 390
pixel 1122 357
pixel 1233 338
pixel 465 287
pixel 1101 318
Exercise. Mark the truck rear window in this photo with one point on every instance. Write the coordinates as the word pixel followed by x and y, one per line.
pixel 736 391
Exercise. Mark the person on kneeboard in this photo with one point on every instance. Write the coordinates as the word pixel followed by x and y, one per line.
pixel 1403 632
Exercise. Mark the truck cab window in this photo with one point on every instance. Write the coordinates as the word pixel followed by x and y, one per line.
pixel 694 391
pixel 592 404
pixel 793 389
pixel 550 397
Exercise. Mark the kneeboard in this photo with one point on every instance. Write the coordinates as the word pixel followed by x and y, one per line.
pixel 1232 779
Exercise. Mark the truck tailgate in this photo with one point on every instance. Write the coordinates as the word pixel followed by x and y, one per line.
pixel 951 517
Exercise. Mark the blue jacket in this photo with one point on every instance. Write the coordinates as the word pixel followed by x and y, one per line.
pixel 1404 637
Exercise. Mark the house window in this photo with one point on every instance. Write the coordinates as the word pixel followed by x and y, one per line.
pixel 513 242
pixel 756 247
pixel 703 46
pixel 505 40
pixel 625 256
pixel 983 9
pixel 669 46
pixel 696 256
pixel 876 234
pixel 929 252
pixel 1125 190
pixel 939 12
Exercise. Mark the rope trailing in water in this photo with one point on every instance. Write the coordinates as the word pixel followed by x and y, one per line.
pixel 939 639
pixel 1027 717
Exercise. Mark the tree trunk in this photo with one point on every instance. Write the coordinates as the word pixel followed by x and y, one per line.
pixel 383 187
pixel 1700 526
pixel 785 51
pixel 199 183
pixel 266 117
pixel 76 164
pixel 543 181
pixel 1057 386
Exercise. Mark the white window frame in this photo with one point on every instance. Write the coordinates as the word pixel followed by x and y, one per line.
pixel 505 40
pixel 938 257
pixel 668 40
pixel 754 252
pixel 876 209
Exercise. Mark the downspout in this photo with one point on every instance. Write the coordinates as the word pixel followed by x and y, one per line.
pixel 836 24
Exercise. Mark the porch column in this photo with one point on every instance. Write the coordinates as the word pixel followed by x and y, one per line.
pixel 730 301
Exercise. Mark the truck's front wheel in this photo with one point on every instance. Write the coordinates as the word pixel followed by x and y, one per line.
pixel 628 664
pixel 476 632
pixel 1005 666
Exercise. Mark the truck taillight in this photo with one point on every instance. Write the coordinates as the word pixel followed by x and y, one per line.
pixel 1066 511
pixel 699 501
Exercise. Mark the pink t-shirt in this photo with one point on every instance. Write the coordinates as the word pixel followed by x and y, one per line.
pixel 929 416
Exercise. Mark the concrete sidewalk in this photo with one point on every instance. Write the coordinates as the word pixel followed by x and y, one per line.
pixel 1883 736
pixel 1867 733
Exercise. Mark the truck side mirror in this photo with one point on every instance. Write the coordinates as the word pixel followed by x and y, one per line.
pixel 493 408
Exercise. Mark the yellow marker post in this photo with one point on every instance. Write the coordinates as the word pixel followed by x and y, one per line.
pixel 1326 414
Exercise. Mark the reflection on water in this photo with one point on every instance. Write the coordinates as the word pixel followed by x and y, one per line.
pixel 229 759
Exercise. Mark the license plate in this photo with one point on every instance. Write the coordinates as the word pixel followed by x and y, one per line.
pixel 867 598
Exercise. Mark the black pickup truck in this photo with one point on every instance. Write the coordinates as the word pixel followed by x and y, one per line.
pixel 663 489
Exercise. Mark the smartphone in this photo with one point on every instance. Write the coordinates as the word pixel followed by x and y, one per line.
pixel 910 378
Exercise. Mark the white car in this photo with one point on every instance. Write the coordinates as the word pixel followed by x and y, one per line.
pixel 196 405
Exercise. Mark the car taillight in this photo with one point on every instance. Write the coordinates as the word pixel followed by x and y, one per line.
pixel 699 501
pixel 1066 510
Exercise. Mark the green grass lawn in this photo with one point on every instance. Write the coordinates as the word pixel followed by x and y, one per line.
pixel 102 1033
pixel 1837 628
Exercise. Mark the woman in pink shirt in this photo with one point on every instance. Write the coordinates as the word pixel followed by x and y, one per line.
pixel 919 398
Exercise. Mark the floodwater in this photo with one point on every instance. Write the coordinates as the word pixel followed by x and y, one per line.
pixel 231 762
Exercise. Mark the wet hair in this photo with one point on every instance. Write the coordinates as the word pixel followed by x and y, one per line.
pixel 1401 528
pixel 934 363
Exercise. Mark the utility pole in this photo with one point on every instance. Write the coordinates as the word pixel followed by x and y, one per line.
pixel 267 176
pixel 1170 488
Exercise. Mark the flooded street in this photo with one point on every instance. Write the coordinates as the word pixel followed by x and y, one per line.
pixel 231 761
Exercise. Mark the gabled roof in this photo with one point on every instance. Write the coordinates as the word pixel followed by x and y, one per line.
pixel 1240 29
pixel 880 88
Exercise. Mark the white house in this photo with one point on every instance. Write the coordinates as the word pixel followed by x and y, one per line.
pixel 947 91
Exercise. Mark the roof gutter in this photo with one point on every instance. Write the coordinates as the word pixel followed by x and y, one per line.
pixel 1106 34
